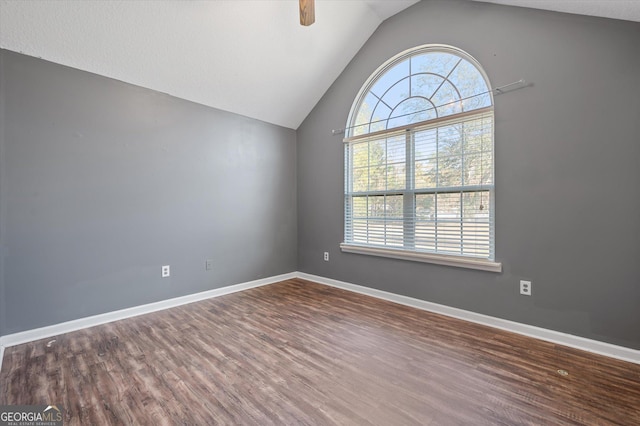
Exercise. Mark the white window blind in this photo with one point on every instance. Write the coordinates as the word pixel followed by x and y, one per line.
pixel 420 179
pixel 426 189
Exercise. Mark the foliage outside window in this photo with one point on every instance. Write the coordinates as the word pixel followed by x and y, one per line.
pixel 419 159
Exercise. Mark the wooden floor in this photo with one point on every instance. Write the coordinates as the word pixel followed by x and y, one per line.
pixel 303 353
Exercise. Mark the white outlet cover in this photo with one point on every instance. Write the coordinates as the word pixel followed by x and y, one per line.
pixel 166 271
pixel 525 287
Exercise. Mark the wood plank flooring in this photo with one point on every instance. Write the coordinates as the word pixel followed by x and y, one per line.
pixel 297 352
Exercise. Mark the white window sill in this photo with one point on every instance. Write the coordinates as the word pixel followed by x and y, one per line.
pixel 438 259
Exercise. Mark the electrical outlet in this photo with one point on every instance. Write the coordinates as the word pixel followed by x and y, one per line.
pixel 166 271
pixel 326 256
pixel 525 287
pixel 208 264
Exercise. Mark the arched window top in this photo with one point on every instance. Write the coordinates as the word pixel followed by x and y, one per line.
pixel 418 162
pixel 418 85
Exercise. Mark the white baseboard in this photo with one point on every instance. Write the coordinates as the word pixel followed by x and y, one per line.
pixel 594 346
pixel 66 327
pixel 589 345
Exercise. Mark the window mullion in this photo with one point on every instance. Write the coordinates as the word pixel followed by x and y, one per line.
pixel 409 199
pixel 368 189
pixel 348 199
pixel 462 180
pixel 435 208
pixel 386 187
pixel 461 222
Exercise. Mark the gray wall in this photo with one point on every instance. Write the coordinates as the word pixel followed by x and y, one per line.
pixel 2 204
pixel 567 169
pixel 103 182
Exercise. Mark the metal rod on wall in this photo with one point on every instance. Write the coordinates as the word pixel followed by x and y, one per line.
pixel 500 90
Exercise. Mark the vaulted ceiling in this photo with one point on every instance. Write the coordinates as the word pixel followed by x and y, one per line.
pixel 248 57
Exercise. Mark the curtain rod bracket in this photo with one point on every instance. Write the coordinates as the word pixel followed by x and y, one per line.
pixel 520 83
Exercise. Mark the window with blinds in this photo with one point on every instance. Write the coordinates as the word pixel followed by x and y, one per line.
pixel 419 161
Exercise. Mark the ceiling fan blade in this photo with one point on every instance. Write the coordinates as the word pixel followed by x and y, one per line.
pixel 307 12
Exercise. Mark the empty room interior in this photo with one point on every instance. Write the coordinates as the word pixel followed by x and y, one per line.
pixel 320 212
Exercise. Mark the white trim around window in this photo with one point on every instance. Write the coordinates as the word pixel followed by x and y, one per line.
pixel 419 162
pixel 438 259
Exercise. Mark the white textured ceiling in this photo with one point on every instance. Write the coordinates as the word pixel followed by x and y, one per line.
pixel 628 10
pixel 248 57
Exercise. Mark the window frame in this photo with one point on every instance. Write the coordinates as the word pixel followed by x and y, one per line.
pixel 409 192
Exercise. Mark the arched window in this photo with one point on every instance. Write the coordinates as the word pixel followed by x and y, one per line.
pixel 419 161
